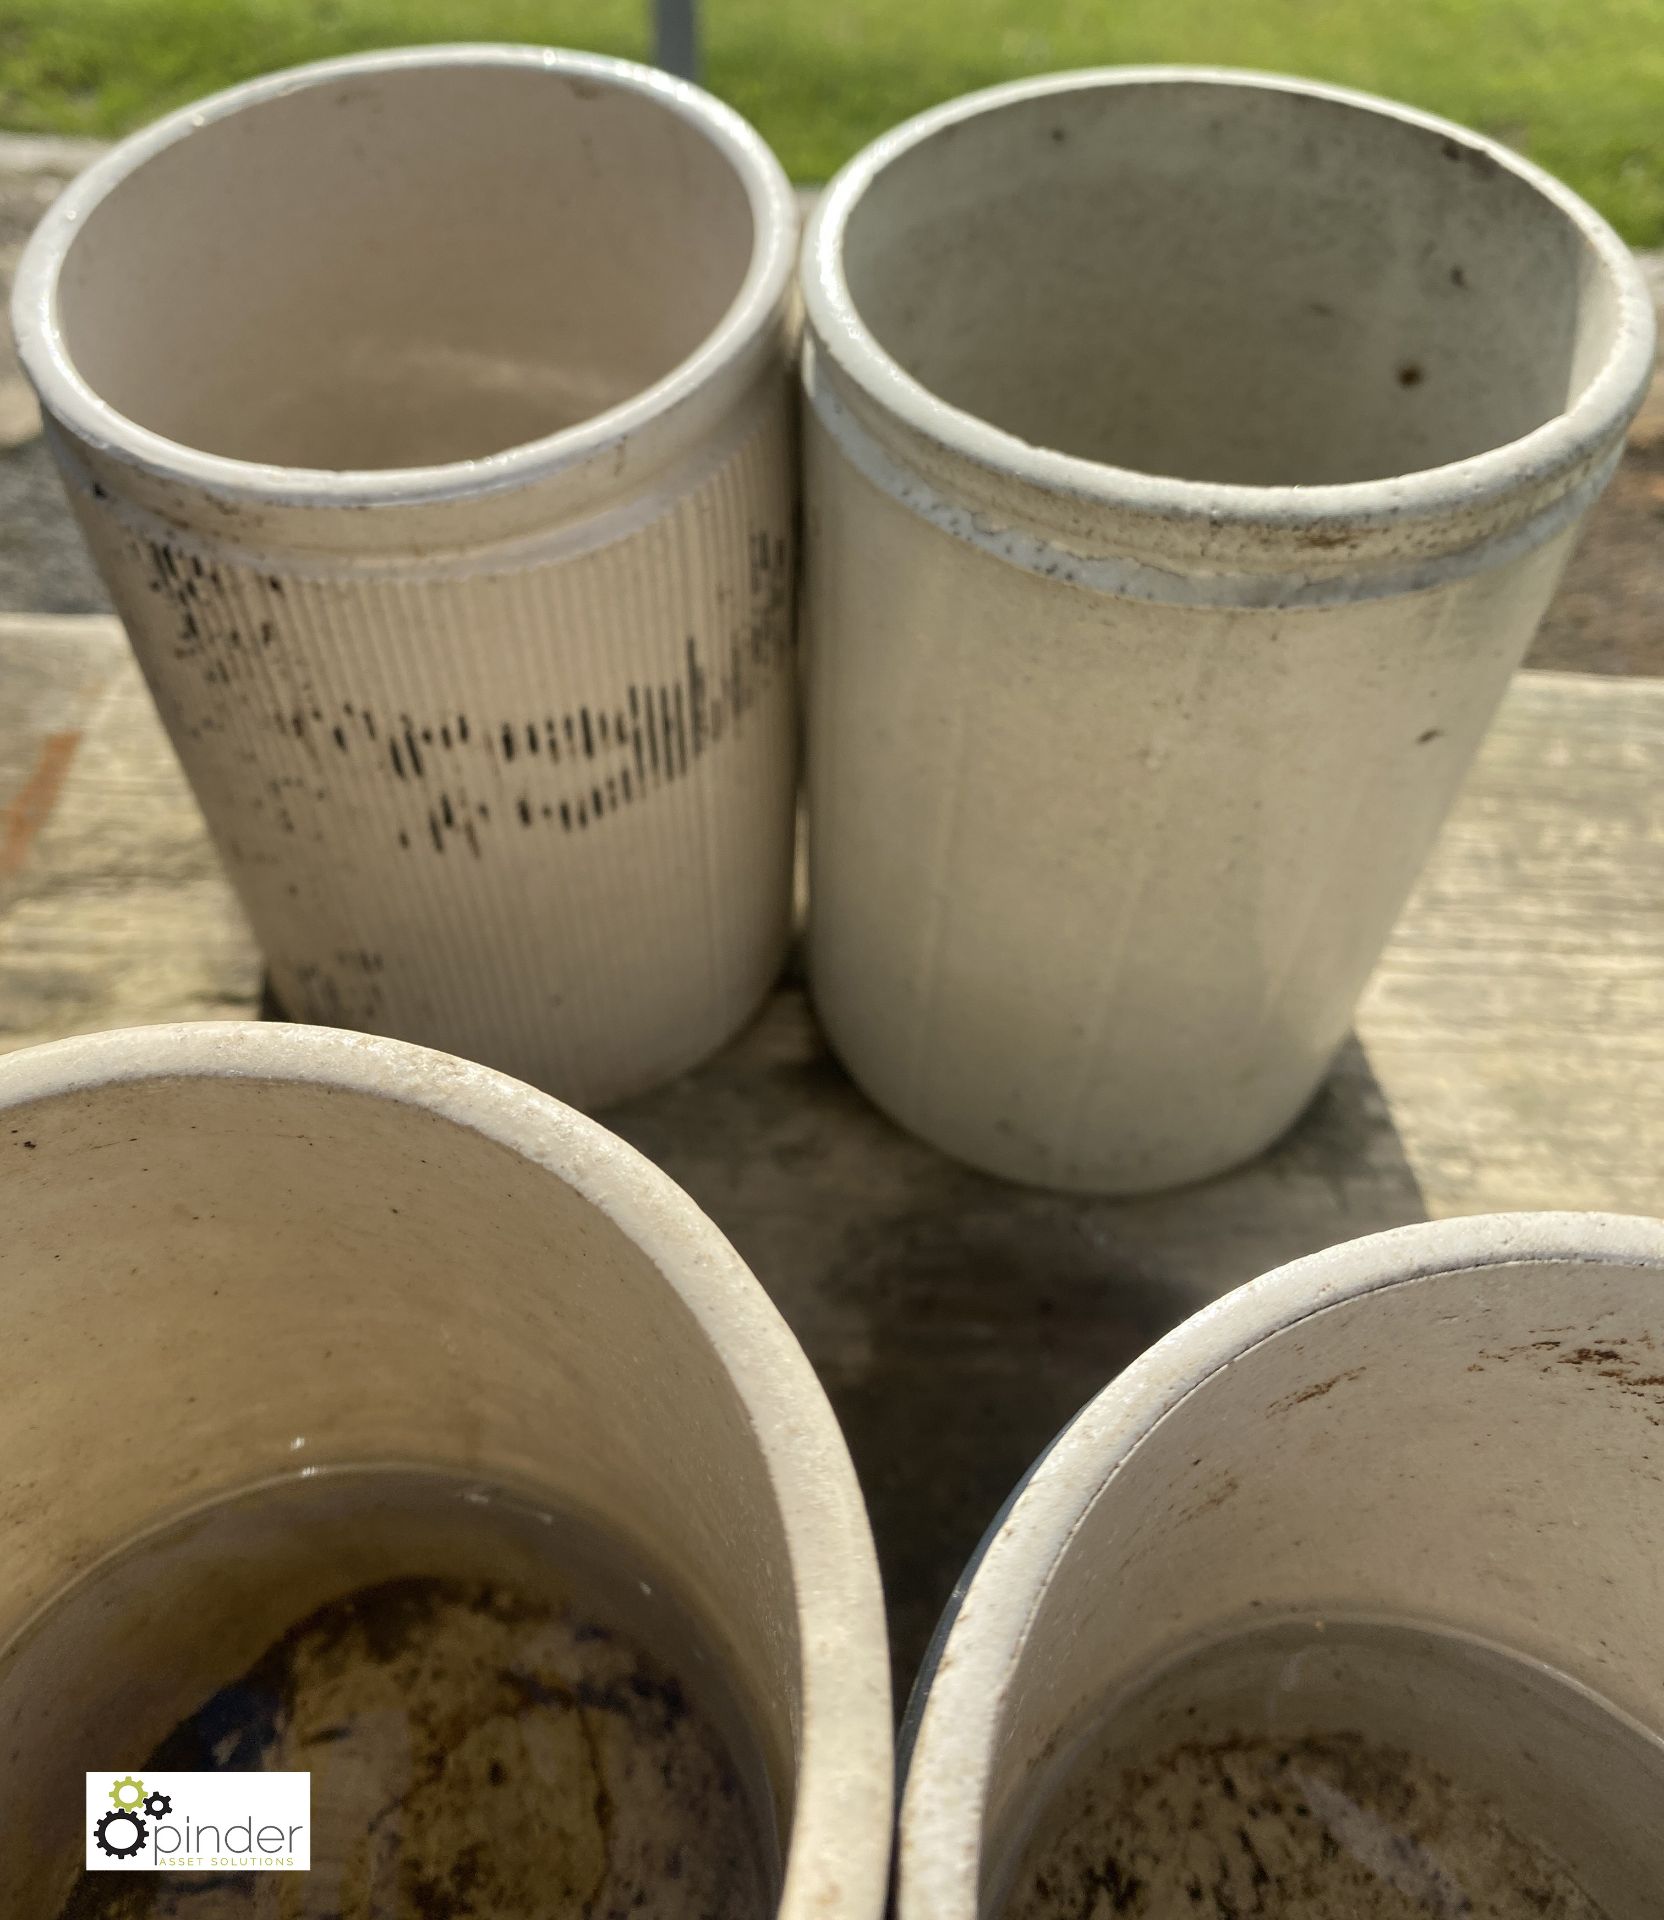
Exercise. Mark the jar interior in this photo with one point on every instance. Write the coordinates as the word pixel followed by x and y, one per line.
pixel 1228 283
pixel 309 1340
pixel 486 1694
pixel 1404 1519
pixel 406 268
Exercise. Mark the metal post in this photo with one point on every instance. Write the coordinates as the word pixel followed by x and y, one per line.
pixel 676 37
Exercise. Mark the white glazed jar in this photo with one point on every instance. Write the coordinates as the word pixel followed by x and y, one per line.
pixel 1190 457
pixel 428 414
pixel 1454 1429
pixel 241 1257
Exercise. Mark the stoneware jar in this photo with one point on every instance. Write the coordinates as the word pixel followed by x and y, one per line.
pixel 1190 457
pixel 427 414
pixel 246 1259
pixel 1443 1441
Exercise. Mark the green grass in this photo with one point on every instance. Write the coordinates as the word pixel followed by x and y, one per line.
pixel 1577 84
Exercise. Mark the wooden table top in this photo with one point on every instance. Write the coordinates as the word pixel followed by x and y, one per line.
pixel 1509 1054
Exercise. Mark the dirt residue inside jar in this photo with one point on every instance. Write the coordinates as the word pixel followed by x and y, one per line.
pixel 474 1755
pixel 1310 1829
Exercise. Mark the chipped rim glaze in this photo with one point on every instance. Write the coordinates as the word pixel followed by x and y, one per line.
pixel 1153 536
pixel 838 1847
pixel 673 410
pixel 946 1743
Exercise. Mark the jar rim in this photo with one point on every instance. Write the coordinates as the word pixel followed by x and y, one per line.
pixel 725 356
pixel 1569 441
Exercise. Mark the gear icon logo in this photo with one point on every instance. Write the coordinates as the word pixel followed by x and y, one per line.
pixel 128 1794
pixel 120 1833
pixel 158 1805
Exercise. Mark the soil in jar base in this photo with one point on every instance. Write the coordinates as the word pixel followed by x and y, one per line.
pixel 1310 1771
pixel 504 1734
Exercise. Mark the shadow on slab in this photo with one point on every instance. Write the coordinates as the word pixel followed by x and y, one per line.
pixel 957 1321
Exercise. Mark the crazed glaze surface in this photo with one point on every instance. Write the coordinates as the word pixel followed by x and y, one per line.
pixel 1119 775
pixel 254 1250
pixel 467 595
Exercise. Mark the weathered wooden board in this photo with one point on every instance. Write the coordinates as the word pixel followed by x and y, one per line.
pixel 113 910
pixel 1510 1054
